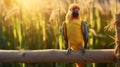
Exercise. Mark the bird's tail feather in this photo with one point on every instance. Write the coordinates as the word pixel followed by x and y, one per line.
pixel 80 64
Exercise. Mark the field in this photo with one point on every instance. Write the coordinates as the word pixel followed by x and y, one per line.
pixel 35 25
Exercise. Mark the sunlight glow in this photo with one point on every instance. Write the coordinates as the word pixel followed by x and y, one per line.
pixel 26 4
pixel 33 4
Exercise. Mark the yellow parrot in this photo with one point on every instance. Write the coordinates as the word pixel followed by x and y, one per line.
pixel 75 31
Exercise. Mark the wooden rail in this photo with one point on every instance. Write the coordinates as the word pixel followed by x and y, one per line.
pixel 54 55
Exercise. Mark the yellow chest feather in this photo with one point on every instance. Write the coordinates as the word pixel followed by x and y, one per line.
pixel 74 34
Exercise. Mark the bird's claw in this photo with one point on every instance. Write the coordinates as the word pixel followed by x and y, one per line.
pixel 69 51
pixel 83 51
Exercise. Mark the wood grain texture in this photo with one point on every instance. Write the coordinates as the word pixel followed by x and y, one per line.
pixel 54 55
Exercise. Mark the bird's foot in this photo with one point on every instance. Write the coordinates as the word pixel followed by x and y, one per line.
pixel 69 50
pixel 83 51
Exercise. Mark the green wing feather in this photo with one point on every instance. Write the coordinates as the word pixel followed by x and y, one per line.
pixel 64 33
pixel 85 32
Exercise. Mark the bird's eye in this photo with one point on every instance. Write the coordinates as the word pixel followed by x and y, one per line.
pixel 70 9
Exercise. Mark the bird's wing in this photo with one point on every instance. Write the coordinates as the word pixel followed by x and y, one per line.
pixel 64 33
pixel 85 32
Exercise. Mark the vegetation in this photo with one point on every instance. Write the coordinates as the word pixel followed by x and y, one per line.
pixel 35 25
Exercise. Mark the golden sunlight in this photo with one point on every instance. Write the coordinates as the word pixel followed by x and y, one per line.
pixel 33 4
pixel 26 4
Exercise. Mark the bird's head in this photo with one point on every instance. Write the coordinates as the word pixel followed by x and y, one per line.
pixel 73 12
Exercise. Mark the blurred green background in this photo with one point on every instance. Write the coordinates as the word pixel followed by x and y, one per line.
pixel 35 25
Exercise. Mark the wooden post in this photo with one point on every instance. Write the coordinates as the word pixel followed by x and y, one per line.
pixel 54 55
pixel 117 48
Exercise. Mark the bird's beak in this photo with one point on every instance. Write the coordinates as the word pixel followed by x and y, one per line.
pixel 75 13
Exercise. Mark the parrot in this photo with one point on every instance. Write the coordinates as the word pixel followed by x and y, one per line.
pixel 75 31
